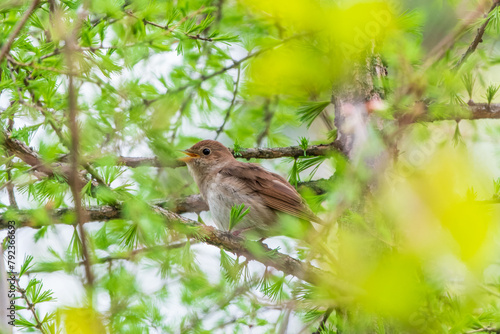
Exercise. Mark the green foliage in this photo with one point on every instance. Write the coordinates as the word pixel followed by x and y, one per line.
pixel 237 214
pixel 304 144
pixel 26 265
pixel 491 91
pixel 275 289
pixel 457 136
pixel 30 297
pixel 293 176
pixel 410 240
pixel 494 17
pixel 302 164
pixel 232 268
pixel 237 148
pixel 496 188
pixel 469 81
pixel 310 111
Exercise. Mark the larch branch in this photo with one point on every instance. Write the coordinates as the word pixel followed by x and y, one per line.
pixel 478 38
pixel 17 29
pixel 31 307
pixel 29 156
pixel 449 40
pixel 212 236
pixel 246 153
pixel 231 105
pixel 74 180
pixel 473 111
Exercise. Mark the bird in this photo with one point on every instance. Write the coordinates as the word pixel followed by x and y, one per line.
pixel 225 182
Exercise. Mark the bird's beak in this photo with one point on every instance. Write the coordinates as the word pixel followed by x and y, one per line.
pixel 190 156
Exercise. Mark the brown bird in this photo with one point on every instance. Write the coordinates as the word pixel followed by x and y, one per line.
pixel 225 182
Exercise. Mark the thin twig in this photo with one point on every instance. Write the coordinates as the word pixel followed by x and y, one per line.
pixel 172 29
pixel 166 27
pixel 58 51
pixel 322 324
pixel 38 106
pixel 134 253
pixel 9 184
pixel 10 187
pixel 188 99
pixel 182 109
pixel 448 41
pixel 53 124
pixel 30 306
pixel 206 39
pixel 28 155
pixel 203 78
pixel 235 64
pixel 20 24
pixel 490 290
pixel 479 37
pixel 484 329
pixel 231 105
pixel 268 117
pixel 74 179
pixel 34 65
pixel 326 120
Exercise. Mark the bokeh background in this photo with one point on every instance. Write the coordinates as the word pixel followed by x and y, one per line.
pixel 368 107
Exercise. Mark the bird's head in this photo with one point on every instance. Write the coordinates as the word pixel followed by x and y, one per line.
pixel 206 156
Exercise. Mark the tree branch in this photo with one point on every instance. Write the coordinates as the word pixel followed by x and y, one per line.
pixel 74 180
pixel 291 151
pixel 252 250
pixel 30 306
pixel 484 111
pixel 268 117
pixel 139 251
pixel 477 111
pixel 54 123
pixel 449 40
pixel 479 37
pixel 231 105
pixel 322 324
pixel 203 78
pixel 239 246
pixel 37 104
pixel 29 156
pixel 235 64
pixel 245 153
pixel 9 184
pixel 182 109
pixel 473 111
pixel 166 28
pixel 6 46
pixel 485 329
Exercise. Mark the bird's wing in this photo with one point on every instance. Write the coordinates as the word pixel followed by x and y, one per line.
pixel 275 191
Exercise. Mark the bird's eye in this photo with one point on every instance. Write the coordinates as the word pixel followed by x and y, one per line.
pixel 206 151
